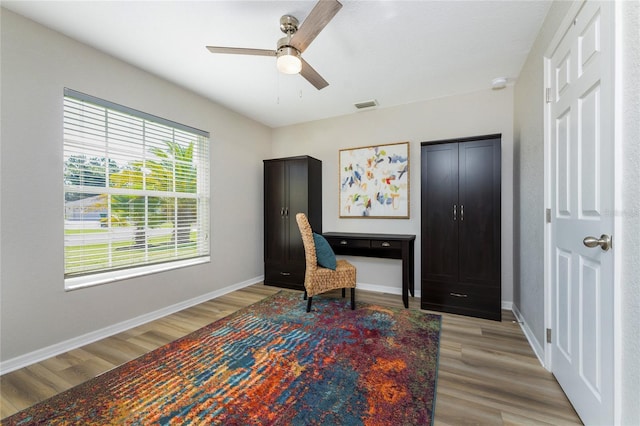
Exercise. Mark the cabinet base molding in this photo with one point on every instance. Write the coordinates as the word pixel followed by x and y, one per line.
pixel 470 312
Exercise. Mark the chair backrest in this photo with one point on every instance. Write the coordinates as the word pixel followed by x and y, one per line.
pixel 307 240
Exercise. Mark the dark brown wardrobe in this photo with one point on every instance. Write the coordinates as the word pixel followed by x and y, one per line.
pixel 291 185
pixel 460 200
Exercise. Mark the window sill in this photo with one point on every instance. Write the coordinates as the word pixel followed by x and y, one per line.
pixel 77 283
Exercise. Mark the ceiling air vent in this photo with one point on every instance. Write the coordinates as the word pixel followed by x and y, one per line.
pixel 366 104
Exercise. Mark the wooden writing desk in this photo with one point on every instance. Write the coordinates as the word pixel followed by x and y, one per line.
pixel 387 246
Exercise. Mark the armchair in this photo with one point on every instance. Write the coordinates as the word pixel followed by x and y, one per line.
pixel 318 279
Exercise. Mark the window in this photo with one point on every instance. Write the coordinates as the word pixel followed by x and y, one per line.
pixel 136 190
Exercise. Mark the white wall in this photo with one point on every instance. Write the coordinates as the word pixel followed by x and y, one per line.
pixel 628 38
pixel 473 114
pixel 37 64
pixel 529 178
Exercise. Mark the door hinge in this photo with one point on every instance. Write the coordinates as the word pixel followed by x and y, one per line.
pixel 548 97
pixel 548 215
pixel 548 335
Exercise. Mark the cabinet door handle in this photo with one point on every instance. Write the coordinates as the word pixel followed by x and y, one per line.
pixel 458 295
pixel 461 211
pixel 386 244
pixel 286 211
pixel 455 214
pixel 286 274
pixel 282 212
pixel 344 242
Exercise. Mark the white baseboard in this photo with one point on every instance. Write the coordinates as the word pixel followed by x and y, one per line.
pixel 533 342
pixel 76 342
pixel 384 289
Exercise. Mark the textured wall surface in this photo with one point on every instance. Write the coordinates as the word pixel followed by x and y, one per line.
pixel 629 26
pixel 529 177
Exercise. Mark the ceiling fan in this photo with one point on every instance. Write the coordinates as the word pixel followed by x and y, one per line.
pixel 296 40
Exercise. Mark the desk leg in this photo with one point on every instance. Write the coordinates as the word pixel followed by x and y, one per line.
pixel 405 295
pixel 411 270
pixel 405 277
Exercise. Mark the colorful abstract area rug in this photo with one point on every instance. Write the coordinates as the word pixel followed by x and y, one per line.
pixel 270 364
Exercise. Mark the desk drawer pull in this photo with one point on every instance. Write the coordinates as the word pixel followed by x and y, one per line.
pixel 344 242
pixel 458 295
pixel 286 274
pixel 385 244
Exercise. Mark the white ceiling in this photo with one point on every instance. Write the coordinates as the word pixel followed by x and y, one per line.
pixel 396 52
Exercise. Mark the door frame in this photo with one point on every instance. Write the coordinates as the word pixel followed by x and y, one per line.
pixel 617 179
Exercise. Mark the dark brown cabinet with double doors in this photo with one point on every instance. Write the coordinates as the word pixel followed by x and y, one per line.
pixel 291 185
pixel 460 224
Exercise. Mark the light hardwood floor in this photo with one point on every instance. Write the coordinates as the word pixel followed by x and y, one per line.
pixel 488 374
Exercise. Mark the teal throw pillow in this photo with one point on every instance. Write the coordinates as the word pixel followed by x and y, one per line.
pixel 324 253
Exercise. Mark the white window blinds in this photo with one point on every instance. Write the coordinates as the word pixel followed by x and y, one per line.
pixel 136 188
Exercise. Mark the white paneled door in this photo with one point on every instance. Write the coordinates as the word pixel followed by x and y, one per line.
pixel 581 135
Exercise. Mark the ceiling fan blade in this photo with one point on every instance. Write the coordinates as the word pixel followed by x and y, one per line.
pixel 312 76
pixel 319 17
pixel 241 51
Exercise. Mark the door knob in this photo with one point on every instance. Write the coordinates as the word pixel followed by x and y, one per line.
pixel 604 242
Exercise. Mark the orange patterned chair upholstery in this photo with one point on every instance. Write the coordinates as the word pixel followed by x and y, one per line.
pixel 318 279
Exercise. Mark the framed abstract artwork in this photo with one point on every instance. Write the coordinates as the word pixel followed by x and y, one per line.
pixel 374 181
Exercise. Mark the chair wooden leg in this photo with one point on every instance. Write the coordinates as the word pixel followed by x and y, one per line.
pixel 309 304
pixel 353 298
pixel 343 293
pixel 305 295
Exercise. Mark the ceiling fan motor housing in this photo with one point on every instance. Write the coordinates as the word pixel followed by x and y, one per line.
pixel 289 26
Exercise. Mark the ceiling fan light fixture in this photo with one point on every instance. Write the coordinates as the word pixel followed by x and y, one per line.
pixel 288 61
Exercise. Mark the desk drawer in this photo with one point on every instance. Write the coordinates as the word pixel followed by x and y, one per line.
pixel 386 244
pixel 348 242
